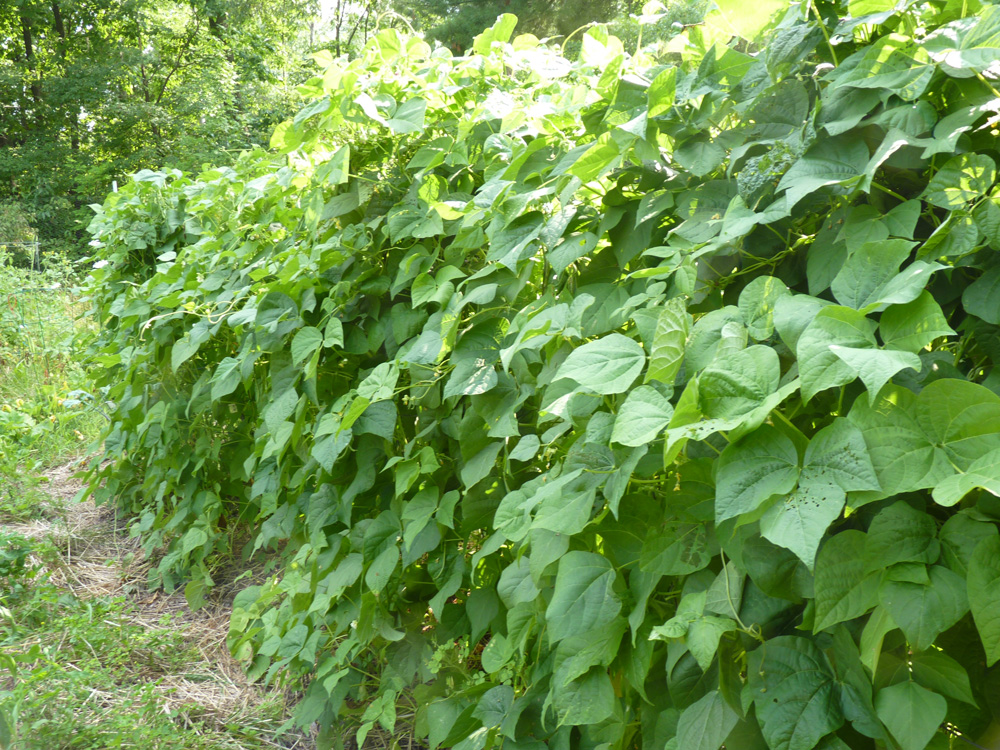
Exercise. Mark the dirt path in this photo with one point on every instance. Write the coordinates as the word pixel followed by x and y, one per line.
pixel 98 558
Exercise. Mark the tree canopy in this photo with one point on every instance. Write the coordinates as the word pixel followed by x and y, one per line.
pixel 93 91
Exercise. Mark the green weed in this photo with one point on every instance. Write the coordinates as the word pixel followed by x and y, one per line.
pixel 47 411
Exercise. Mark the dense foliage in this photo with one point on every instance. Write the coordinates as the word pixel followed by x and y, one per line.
pixel 593 402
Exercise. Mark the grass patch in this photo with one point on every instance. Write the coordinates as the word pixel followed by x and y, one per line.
pixel 99 672
pixel 47 410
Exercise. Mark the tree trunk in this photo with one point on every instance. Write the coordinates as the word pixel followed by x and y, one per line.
pixel 29 56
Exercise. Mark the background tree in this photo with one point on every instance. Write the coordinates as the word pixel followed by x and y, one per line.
pixel 95 90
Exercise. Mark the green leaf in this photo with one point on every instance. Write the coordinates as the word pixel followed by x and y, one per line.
pixel 799 522
pixel 500 31
pixel 762 464
pixel 606 366
pixel 408 117
pixel 984 595
pixel 660 94
pixel 643 416
pixel 794 692
pixel 916 442
pixel 494 706
pixel 738 381
pixel 757 303
pixel 831 161
pixel 867 272
pixel 876 366
pixel 705 724
pixel 679 549
pixel 669 339
pixel 924 611
pixel 959 538
pixel 819 367
pixel 843 590
pixel 911 713
pixel 895 63
pixel 306 341
pixel 226 378
pixel 912 326
pixel 589 700
pixel 983 473
pixel 982 297
pixel 937 671
pixel 699 155
pixel 837 454
pixel 747 20
pixel 900 533
pixel 583 598
pixel 869 281
pixel 962 179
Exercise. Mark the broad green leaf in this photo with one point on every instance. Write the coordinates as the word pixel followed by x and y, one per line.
pixel 738 381
pixel 799 522
pixel 983 473
pixel 408 117
pixel 226 378
pixel 819 367
pixel 699 156
pixel 660 94
pixel 911 713
pixel 984 595
pixel 987 218
pixel 837 454
pixel 643 416
pixel 380 382
pixel 306 341
pixel 924 611
pixel 500 31
pixel 589 700
pixel 867 272
pixel 678 549
pixel 982 297
pixel 961 180
pixel 526 448
pixel 762 464
pixel 494 706
pixel 832 161
pixel 583 598
pixel 606 366
pixel 937 671
pixel 602 155
pixel 959 538
pixel 703 636
pixel 900 533
pixel 916 442
pixel 669 339
pixel 876 366
pixel 794 692
pixel 705 724
pixel 757 303
pixel 895 63
pixel 843 590
pixel 912 326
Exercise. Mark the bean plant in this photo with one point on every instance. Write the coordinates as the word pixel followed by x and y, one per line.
pixel 607 402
